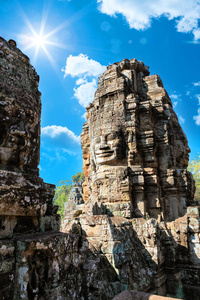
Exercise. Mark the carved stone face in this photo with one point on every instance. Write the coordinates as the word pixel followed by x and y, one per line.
pixel 108 147
pixel 19 142
pixel 128 129
pixel 20 109
pixel 182 152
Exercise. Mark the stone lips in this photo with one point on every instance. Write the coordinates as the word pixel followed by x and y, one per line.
pixel 131 125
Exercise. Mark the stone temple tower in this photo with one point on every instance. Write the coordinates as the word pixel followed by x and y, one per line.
pixel 20 113
pixel 134 150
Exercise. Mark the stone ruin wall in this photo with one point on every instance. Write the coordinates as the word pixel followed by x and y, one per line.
pixel 123 238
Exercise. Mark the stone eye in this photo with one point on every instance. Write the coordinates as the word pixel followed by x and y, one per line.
pixel 111 136
pixel 97 140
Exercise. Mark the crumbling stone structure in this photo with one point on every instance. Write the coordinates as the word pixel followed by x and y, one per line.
pixel 76 194
pixel 74 205
pixel 131 233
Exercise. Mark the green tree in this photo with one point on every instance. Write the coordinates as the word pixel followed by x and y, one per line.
pixel 63 189
pixel 194 168
pixel 61 195
pixel 78 177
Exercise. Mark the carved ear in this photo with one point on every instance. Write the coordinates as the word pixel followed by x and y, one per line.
pixel 129 136
pixel 93 165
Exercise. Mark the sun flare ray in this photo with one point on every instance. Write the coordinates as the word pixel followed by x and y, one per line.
pixel 50 58
pixel 38 39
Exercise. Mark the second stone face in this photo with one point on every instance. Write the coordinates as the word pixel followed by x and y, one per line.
pixel 20 111
pixel 134 150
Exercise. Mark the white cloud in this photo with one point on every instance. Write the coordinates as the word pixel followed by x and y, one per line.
pixel 175 98
pixel 181 119
pixel 81 65
pixel 81 81
pixel 198 97
pixel 85 92
pixel 45 155
pixel 196 33
pixel 197 118
pixel 84 116
pixel 60 137
pixel 139 14
pixel 54 131
pixel 196 83
pixel 87 70
pixel 175 104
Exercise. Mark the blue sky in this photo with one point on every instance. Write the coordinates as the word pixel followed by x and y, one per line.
pixel 71 42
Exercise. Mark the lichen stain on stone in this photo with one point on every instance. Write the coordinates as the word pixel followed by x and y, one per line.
pixel 22 273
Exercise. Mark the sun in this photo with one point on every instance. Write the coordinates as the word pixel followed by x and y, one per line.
pixel 36 41
pixel 40 40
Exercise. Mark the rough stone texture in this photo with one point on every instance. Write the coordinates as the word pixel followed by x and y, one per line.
pixel 134 150
pixel 36 260
pixel 174 247
pixel 135 295
pixel 115 239
pixel 135 158
pixel 182 254
pixel 20 111
pixel 76 194
pixel 137 187
pixel 58 266
pixel 75 199
pixel 24 197
pixel 73 206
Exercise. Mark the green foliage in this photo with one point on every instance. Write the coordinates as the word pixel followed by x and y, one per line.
pixel 78 177
pixel 61 194
pixel 63 189
pixel 194 168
